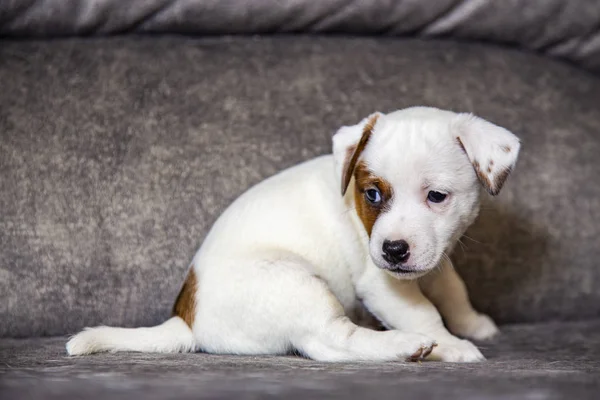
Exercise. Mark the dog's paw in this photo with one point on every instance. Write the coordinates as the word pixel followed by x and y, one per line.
pixel 419 347
pixel 477 327
pixel 410 346
pixel 456 351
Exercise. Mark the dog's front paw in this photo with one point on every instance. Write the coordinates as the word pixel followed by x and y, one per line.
pixel 407 346
pixel 456 351
pixel 418 347
pixel 476 326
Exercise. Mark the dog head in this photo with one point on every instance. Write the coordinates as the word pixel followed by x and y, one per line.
pixel 414 176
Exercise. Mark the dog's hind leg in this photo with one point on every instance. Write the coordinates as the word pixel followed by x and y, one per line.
pixel 272 303
pixel 323 332
pixel 339 339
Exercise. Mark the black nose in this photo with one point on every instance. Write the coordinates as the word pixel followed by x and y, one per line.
pixel 396 251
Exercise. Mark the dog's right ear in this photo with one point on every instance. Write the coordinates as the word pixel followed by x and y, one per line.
pixel 348 144
pixel 492 150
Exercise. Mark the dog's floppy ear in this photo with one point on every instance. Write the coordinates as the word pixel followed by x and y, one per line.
pixel 491 149
pixel 348 144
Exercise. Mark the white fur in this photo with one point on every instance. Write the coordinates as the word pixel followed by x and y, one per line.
pixel 289 265
pixel 172 336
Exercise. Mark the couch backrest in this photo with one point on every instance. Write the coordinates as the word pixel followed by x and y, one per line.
pixel 116 156
pixel 564 28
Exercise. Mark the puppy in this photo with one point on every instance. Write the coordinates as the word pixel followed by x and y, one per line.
pixel 292 264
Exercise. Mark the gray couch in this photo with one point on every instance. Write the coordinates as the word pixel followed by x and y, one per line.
pixel 117 153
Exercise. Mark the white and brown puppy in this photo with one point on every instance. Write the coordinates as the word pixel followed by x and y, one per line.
pixel 292 262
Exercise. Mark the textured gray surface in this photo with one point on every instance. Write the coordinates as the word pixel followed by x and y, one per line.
pixel 116 155
pixel 549 361
pixel 565 28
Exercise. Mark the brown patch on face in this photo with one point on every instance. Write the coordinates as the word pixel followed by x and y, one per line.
pixel 185 305
pixel 364 180
pixel 505 149
pixel 355 151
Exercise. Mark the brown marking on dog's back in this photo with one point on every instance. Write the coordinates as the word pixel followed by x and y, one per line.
pixel 365 179
pixel 185 305
pixel 506 148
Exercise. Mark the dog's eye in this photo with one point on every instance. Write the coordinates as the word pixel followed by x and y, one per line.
pixel 373 196
pixel 436 197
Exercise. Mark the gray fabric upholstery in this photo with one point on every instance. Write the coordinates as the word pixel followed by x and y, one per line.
pixel 549 361
pixel 566 28
pixel 116 155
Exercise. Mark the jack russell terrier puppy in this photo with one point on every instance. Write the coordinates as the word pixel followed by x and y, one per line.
pixel 294 262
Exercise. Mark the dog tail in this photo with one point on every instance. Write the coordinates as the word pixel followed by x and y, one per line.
pixel 172 336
